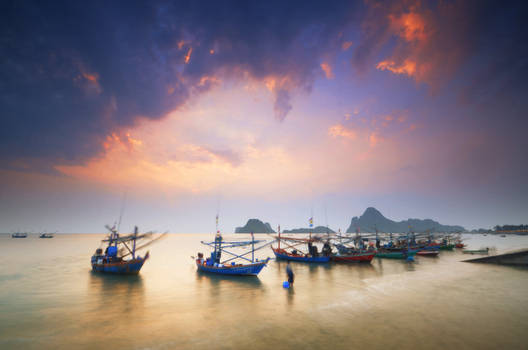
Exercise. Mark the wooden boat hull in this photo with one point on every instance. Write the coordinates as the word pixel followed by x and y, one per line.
pixel 236 270
pixel 429 253
pixel 395 255
pixel 129 267
pixel 359 257
pixel 479 251
pixel 283 255
pixel 460 245
pixel 446 247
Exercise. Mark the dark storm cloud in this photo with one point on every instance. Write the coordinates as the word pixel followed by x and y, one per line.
pixel 73 72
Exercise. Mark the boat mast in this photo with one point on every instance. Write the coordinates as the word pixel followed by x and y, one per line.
pixel 252 247
pixel 278 248
pixel 134 245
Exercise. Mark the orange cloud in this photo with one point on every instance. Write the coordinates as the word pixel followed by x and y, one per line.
pixel 188 55
pixel 341 131
pixel 411 26
pixel 346 45
pixel 327 70
pixel 374 139
pixel 407 67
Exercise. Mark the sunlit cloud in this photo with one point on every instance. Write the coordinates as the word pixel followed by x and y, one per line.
pixel 346 45
pixel 327 69
pixel 341 131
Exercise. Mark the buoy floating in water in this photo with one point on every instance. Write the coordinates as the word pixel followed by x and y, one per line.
pixel 286 284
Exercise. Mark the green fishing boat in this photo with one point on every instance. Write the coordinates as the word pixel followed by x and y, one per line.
pixel 395 254
pixel 446 247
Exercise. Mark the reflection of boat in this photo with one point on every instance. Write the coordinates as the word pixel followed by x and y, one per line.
pixel 46 235
pixel 19 235
pixel 476 251
pixel 118 248
pixel 233 265
pixel 430 253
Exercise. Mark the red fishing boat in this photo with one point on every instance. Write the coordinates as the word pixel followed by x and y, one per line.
pixel 354 257
pixel 430 253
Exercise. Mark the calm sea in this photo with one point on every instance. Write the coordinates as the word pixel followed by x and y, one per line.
pixel 49 299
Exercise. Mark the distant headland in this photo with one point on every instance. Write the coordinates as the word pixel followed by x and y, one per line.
pixel 372 219
pixel 317 229
pixel 255 226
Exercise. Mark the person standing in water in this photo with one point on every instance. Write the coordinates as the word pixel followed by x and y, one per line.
pixel 290 274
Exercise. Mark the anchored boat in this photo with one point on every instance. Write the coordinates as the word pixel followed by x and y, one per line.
pixel 120 257
pixel 292 251
pixel 46 235
pixel 233 265
pixel 19 235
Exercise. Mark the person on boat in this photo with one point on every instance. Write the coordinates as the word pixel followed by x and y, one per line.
pixel 289 272
pixel 327 250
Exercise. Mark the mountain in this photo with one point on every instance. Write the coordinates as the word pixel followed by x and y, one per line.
pixel 255 226
pixel 318 229
pixel 372 219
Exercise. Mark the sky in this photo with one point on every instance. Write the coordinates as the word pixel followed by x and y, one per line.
pixel 173 111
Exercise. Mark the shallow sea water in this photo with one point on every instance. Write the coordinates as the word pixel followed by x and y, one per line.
pixel 50 299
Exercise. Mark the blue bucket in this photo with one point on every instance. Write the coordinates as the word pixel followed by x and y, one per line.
pixel 286 284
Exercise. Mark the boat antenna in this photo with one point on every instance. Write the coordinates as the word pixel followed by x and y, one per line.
pixel 121 212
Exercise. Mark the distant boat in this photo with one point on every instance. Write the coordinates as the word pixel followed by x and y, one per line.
pixel 429 253
pixel 46 235
pixel 19 235
pixel 503 235
pixel 118 248
pixel 476 251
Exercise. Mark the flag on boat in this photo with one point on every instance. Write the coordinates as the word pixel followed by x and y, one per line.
pixel 311 221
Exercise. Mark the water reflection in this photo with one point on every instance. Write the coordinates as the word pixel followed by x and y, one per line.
pixel 216 281
pixel 116 293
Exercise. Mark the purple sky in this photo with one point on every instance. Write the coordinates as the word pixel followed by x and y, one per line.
pixel 270 110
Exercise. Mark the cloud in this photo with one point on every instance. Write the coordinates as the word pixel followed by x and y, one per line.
pixel 339 130
pixel 327 69
pixel 68 87
pixel 425 41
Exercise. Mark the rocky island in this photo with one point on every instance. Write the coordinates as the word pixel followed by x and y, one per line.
pixel 372 219
pixel 255 226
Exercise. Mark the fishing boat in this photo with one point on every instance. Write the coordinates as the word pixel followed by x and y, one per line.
pixel 428 253
pixel 476 251
pixel 19 235
pixel 395 254
pixel 120 256
pixel 459 245
pixel 46 235
pixel 233 265
pixel 365 257
pixel 346 252
pixel 292 252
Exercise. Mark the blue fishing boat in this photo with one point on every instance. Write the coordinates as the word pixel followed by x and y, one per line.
pixel 234 265
pixel 118 247
pixel 19 235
